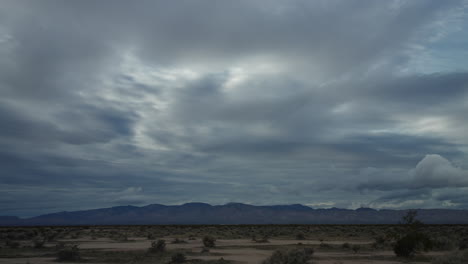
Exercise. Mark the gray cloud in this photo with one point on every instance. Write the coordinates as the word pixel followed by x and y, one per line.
pixel 300 102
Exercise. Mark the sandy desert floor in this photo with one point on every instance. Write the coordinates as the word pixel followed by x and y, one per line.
pixel 104 248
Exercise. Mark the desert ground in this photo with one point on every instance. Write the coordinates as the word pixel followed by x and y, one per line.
pixel 250 244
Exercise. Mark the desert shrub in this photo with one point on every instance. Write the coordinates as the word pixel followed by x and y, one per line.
pixel 457 257
pixel 151 236
pixel 411 240
pixel 178 258
pixel 294 256
pixel 192 238
pixel 60 245
pixel 157 246
pixel 380 242
pixel 346 245
pixel 463 244
pixel 12 244
pixel 50 236
pixel 205 250
pixel 300 236
pixel 179 241
pixel 69 254
pixel 264 239
pixel 443 243
pixel 221 261
pixel 325 245
pixel 209 241
pixel 410 244
pixel 38 243
pixel 120 237
pixel 356 248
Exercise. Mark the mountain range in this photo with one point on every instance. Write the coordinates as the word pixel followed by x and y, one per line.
pixel 232 213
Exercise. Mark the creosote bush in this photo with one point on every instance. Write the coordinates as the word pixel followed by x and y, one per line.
pixel 69 254
pixel 412 240
pixel 179 241
pixel 157 246
pixel 264 239
pixel 209 241
pixel 300 236
pixel 38 243
pixel 178 258
pixel 12 244
pixel 294 256
pixel 356 248
pixel 463 244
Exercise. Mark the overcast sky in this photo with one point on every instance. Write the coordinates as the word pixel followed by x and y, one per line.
pixel 324 103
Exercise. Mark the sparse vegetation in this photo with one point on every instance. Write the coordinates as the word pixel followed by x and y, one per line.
pixel 457 257
pixel 38 242
pixel 69 254
pixel 412 240
pixel 157 246
pixel 178 258
pixel 209 241
pixel 178 241
pixel 12 244
pixel 19 242
pixel 300 236
pixel 294 256
pixel 463 244
pixel 356 248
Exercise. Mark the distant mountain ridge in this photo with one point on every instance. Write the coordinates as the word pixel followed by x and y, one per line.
pixel 233 213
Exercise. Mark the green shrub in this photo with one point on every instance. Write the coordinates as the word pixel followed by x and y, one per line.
pixel 69 254
pixel 209 241
pixel 294 256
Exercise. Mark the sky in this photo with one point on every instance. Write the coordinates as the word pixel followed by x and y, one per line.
pixel 353 103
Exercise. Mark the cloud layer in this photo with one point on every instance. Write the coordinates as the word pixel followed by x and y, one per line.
pixel 327 103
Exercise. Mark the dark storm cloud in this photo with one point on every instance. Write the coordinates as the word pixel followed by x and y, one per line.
pixel 251 101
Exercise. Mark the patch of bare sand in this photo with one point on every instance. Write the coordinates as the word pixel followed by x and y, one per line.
pixel 244 255
pixel 362 261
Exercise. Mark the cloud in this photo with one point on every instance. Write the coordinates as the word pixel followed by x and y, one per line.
pixel 260 102
pixel 435 171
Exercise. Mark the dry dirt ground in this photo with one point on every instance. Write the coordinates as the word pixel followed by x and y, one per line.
pixel 234 244
pixel 236 250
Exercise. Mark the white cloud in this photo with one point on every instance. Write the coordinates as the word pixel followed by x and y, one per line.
pixel 434 171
